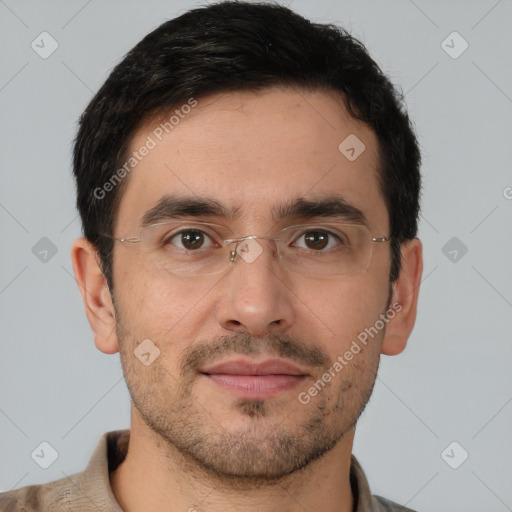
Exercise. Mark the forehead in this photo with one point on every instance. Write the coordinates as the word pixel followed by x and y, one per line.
pixel 252 151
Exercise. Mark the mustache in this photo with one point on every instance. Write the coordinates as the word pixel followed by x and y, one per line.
pixel 280 345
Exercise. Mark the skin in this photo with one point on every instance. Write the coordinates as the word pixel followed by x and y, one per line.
pixel 193 444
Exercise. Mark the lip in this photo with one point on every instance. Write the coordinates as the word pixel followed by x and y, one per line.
pixel 256 380
pixel 247 367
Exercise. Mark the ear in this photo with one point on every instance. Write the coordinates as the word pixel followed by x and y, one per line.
pixel 405 293
pixel 95 294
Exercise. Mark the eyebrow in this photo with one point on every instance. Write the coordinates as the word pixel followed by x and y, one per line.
pixel 171 207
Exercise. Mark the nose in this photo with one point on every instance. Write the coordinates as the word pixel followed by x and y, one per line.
pixel 257 298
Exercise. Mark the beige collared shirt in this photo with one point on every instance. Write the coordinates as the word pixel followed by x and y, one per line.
pixel 90 491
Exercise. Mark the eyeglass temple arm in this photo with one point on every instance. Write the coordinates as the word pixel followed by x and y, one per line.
pixel 124 240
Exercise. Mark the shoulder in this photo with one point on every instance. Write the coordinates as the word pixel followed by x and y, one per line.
pixel 34 498
pixel 380 504
pixel 77 491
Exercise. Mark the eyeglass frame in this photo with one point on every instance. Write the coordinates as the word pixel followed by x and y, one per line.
pixel 233 253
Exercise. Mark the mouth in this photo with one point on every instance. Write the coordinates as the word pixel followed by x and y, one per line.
pixel 256 380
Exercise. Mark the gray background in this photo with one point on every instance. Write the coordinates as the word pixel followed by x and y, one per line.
pixel 453 382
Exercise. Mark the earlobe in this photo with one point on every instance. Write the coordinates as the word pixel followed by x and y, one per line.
pixel 93 287
pixel 405 295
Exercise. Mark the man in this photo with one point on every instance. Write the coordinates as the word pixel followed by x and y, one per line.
pixel 248 186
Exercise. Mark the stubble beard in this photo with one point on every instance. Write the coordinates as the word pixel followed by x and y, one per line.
pixel 270 444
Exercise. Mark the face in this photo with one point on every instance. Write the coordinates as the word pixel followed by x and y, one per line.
pixel 251 152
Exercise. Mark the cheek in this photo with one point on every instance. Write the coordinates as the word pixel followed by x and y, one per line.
pixel 168 312
pixel 339 314
pixel 146 298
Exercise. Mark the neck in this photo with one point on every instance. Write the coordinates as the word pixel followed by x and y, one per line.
pixel 155 477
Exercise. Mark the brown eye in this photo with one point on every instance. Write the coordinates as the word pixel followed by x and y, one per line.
pixel 316 239
pixel 191 239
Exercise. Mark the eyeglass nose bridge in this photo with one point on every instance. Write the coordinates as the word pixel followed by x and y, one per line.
pixel 237 241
